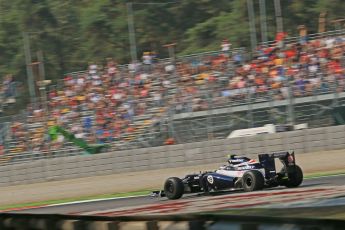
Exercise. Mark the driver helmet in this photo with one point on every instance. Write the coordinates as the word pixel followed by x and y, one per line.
pixel 235 159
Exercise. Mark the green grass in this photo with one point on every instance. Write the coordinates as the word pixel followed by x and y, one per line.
pixel 321 174
pixel 84 198
pixel 134 193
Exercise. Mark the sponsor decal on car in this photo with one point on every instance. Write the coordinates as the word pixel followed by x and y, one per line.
pixel 210 179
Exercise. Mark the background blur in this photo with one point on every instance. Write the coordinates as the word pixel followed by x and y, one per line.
pixel 72 34
pixel 142 74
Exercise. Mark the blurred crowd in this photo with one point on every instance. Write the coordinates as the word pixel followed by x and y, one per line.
pixel 7 92
pixel 7 98
pixel 117 104
pixel 293 70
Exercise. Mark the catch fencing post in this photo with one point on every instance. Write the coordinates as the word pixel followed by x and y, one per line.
pixel 252 29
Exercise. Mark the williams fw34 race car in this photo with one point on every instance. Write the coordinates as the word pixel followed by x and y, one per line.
pixel 240 173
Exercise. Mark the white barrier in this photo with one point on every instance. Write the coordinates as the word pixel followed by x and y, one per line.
pixel 214 151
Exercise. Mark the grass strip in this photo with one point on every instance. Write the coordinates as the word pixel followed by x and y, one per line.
pixel 75 199
pixel 323 174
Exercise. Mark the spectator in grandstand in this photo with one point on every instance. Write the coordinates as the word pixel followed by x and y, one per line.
pixel 280 36
pixel 225 47
pixel 117 103
pixel 111 68
pixel 147 61
pixel 238 59
pixel 8 90
pixel 303 34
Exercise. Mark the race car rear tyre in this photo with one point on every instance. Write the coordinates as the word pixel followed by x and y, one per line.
pixel 173 188
pixel 253 180
pixel 295 178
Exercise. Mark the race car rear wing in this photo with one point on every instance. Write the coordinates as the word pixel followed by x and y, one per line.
pixel 286 158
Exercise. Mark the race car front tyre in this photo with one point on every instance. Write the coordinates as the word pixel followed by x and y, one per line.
pixel 295 178
pixel 253 180
pixel 173 188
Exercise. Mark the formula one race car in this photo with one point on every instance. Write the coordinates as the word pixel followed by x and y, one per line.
pixel 240 173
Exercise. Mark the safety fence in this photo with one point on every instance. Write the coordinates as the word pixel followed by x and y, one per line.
pixel 209 124
pixel 182 155
pixel 296 39
pixel 164 222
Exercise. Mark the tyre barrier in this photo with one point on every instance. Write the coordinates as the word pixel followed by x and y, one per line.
pixel 9 221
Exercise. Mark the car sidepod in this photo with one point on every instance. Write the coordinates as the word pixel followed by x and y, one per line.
pixel 217 181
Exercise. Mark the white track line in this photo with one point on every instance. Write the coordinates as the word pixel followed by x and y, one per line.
pixel 93 200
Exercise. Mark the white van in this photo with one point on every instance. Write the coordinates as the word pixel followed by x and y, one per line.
pixel 269 128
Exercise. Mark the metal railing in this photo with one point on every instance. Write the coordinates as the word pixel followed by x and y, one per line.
pixel 296 39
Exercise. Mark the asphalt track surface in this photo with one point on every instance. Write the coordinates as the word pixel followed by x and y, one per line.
pixel 103 205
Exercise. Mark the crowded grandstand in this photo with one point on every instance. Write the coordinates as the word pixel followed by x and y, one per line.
pixel 129 106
